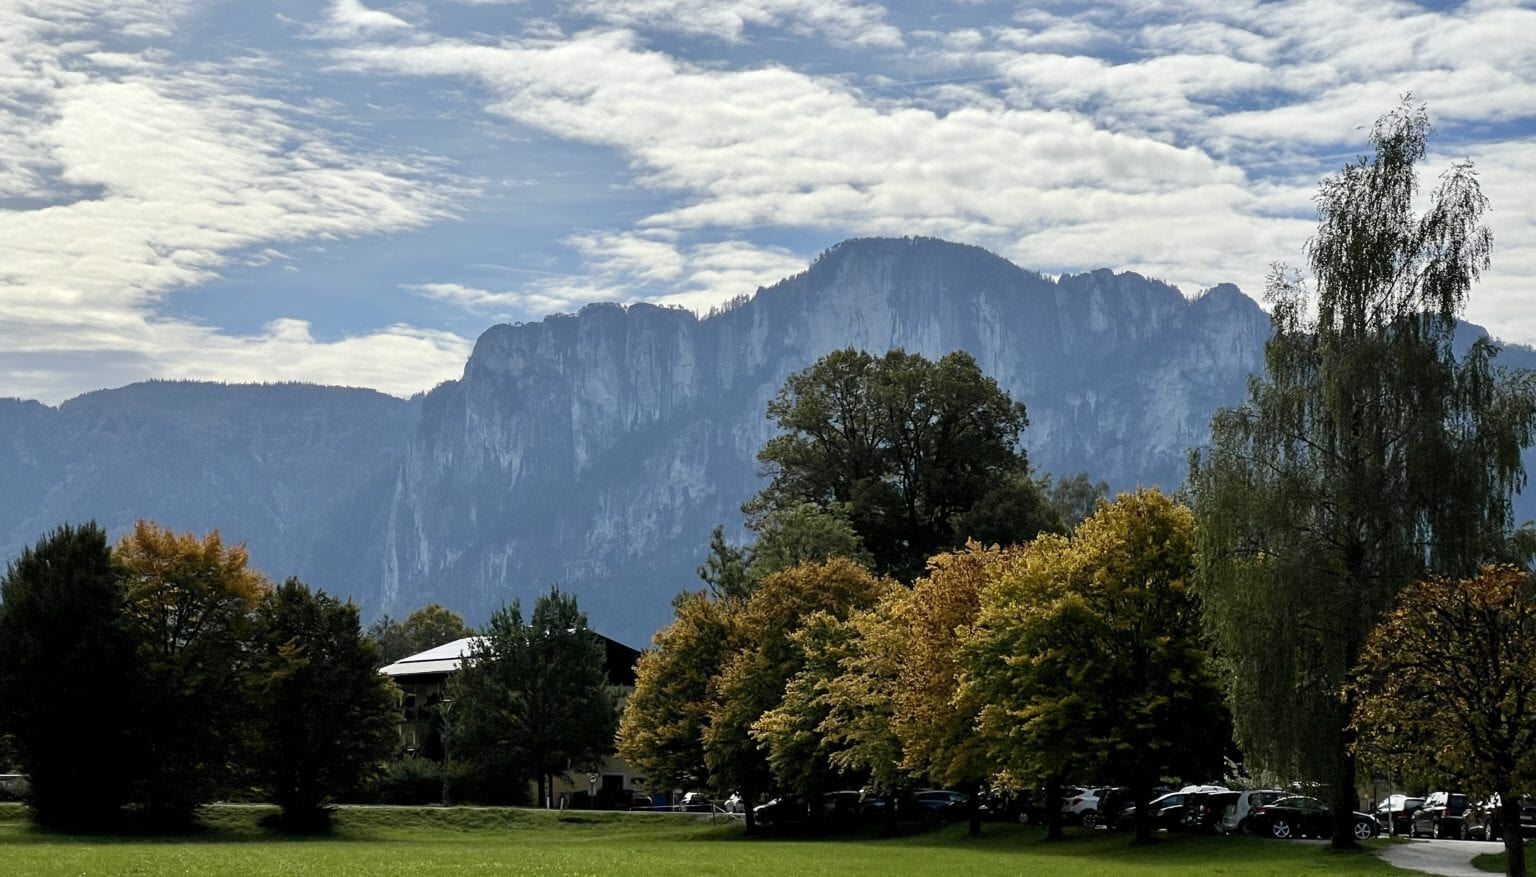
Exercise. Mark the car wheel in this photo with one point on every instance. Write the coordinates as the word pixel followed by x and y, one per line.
pixel 1243 827
pixel 1091 819
pixel 1364 830
pixel 1280 828
pixel 1023 817
pixel 1437 831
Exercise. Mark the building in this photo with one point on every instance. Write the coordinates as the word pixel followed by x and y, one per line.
pixel 423 677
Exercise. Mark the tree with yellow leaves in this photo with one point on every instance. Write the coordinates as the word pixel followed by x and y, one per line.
pixel 189 603
pixel 1447 677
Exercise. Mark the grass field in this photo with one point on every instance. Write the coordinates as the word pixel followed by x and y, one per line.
pixel 505 841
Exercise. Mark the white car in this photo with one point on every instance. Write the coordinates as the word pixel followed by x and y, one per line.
pixel 1082 805
pixel 1234 819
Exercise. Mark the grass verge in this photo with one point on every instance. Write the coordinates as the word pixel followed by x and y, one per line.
pixel 424 840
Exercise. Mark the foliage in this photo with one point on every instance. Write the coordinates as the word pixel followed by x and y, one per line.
pixel 860 699
pixel 1097 639
pixel 533 693
pixel 430 626
pixel 1075 497
pixel 324 717
pixel 725 568
pixel 753 679
pixel 189 605
pixel 1447 676
pixel 802 533
pixel 66 676
pixel 1366 451
pixel 406 780
pixel 904 443
pixel 662 729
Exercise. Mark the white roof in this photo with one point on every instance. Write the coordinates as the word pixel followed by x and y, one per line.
pixel 438 659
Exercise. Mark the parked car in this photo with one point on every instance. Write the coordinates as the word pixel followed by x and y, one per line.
pixel 734 804
pixel 1081 805
pixel 1234 818
pixel 640 801
pixel 1395 813
pixel 1482 820
pixel 1440 816
pixel 1302 816
pixel 1163 812
pixel 694 802
pixel 781 811
pixel 940 804
pixel 1203 810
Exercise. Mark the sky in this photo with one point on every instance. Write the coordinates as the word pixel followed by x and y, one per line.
pixel 350 191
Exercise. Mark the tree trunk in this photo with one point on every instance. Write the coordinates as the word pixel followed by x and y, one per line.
pixel 540 802
pixel 973 807
pixel 1514 842
pixel 1142 792
pixel 1344 799
pixel 1053 810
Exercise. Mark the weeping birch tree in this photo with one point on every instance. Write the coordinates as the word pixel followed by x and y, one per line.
pixel 1369 451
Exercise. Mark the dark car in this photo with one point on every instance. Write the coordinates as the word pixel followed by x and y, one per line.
pixel 1203 810
pixel 940 804
pixel 781 811
pixel 1482 821
pixel 1395 813
pixel 1301 816
pixel 1440 816
pixel 1165 812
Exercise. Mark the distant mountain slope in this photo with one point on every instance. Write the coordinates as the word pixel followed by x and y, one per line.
pixel 597 450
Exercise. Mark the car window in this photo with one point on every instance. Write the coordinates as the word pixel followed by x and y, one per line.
pixel 1262 798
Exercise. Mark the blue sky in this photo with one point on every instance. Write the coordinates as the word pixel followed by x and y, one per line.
pixel 350 191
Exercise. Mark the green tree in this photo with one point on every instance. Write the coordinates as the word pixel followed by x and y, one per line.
pixel 428 627
pixel 662 729
pixel 1367 451
pixel 66 677
pixel 189 602
pixel 1446 677
pixel 324 719
pixel 534 692
pixel 753 679
pixel 1103 638
pixel 802 533
pixel 1074 497
pixel 905 444
pixel 725 568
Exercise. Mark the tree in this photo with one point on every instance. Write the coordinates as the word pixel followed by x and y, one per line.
pixel 725 568
pixel 662 729
pixel 534 693
pixel 802 533
pixel 1106 630
pixel 430 626
pixel 66 677
pixel 324 718
pixel 905 444
pixel 753 679
pixel 1075 497
pixel 1447 676
pixel 1368 451
pixel 935 719
pixel 189 603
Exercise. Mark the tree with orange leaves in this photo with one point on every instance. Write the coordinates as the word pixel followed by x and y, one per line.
pixel 1448 677
pixel 189 604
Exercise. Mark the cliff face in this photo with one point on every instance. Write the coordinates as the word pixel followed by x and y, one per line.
pixel 597 450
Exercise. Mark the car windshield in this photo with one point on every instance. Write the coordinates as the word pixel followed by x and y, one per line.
pixel 1300 802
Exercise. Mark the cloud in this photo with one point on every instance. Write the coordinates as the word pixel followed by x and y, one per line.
pixel 350 19
pixel 840 21
pixel 136 177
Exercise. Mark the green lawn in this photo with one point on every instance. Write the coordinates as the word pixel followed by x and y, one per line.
pixel 484 841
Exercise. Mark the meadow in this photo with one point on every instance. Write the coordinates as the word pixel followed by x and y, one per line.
pixel 424 840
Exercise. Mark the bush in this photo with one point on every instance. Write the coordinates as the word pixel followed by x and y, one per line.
pixel 407 780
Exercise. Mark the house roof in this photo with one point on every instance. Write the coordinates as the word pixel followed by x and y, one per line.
pixel 619 660
pixel 438 659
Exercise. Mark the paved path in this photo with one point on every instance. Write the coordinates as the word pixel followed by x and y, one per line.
pixel 1448 858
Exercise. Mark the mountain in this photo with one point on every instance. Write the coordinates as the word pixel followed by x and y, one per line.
pixel 597 450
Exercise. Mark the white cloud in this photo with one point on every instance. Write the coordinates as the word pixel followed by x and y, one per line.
pixel 350 19
pixel 150 177
pixel 841 21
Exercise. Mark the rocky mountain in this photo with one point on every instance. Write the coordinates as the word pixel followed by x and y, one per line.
pixel 597 450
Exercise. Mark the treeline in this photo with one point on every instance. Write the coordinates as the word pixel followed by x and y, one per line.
pixel 143 680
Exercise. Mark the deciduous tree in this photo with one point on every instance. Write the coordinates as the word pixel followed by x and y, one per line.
pixel 535 692
pixel 67 673
pixel 189 602
pixel 324 717
pixel 1368 450
pixel 1447 678
pixel 430 626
